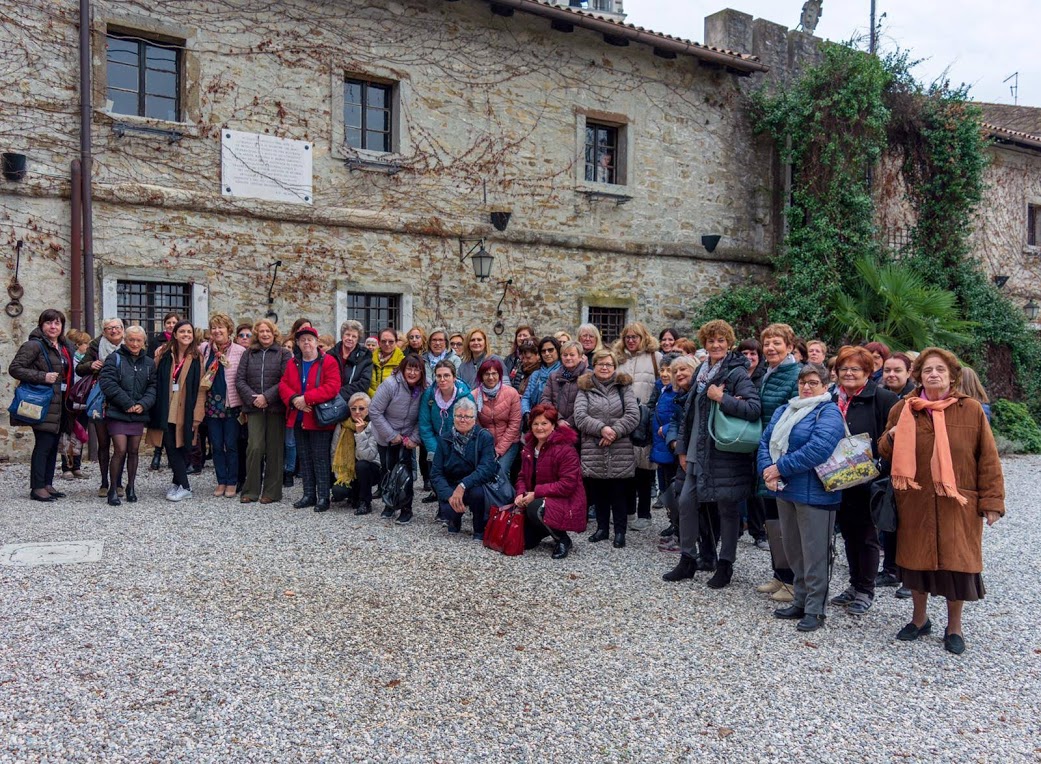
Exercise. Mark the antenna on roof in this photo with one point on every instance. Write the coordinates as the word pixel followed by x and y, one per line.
pixel 1014 87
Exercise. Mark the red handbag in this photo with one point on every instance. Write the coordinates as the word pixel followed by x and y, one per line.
pixel 495 529
pixel 513 543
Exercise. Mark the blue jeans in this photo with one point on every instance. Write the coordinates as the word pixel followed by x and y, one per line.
pixel 224 437
pixel 290 451
pixel 507 459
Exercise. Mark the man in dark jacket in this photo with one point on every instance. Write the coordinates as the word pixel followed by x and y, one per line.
pixel 464 463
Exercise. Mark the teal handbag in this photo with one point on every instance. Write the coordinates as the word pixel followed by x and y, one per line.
pixel 733 435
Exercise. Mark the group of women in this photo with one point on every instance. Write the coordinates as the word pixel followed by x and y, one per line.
pixel 550 429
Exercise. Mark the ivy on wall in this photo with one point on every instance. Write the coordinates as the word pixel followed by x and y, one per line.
pixel 834 125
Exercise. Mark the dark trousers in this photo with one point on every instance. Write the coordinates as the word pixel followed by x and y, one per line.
pixel 888 539
pixel 313 450
pixel 177 457
pixel 474 500
pixel 264 453
pixel 708 530
pixel 389 457
pixel 861 540
pixel 240 473
pixel 756 515
pixel 224 443
pixel 643 482
pixel 44 459
pixel 784 575
pixel 424 464
pixel 612 499
pixel 366 477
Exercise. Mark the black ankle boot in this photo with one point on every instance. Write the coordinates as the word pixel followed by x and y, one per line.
pixel 113 498
pixel 131 494
pixel 287 479
pixel 685 568
pixel 157 460
pixel 563 545
pixel 306 501
pixel 600 535
pixel 724 572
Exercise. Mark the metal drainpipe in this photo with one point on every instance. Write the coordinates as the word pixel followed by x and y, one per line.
pixel 76 305
pixel 88 213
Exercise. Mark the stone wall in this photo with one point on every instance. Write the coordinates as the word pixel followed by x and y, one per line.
pixel 490 116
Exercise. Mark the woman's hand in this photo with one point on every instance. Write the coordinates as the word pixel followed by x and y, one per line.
pixel 409 443
pixel 456 500
pixel 396 440
pixel 992 517
pixel 714 393
pixel 259 401
pixel 360 425
pixel 524 499
pixel 97 365
pixel 771 473
pixel 50 377
pixel 137 408
pixel 607 436
pixel 683 462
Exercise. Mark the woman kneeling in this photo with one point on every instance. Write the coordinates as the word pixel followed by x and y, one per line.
pixel 550 484
pixel 463 463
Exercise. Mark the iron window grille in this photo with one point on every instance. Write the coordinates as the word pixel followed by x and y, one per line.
pixel 610 322
pixel 374 311
pixel 146 302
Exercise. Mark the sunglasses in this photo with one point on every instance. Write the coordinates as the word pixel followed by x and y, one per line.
pixel 245 335
pixel 358 408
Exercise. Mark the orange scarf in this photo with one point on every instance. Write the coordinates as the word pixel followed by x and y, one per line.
pixel 941 464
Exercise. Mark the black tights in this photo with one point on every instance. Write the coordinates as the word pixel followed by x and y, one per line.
pixel 124 449
pixel 104 443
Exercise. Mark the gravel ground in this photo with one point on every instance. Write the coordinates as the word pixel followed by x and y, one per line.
pixel 215 631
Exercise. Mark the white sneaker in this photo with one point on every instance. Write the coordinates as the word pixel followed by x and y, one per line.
pixel 181 494
pixel 640 524
pixel 171 491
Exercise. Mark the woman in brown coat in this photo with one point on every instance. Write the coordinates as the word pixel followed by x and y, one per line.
pixel 946 478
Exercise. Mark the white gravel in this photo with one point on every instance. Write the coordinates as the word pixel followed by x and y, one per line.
pixel 216 631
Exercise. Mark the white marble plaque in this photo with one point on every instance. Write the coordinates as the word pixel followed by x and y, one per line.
pixel 51 553
pixel 264 167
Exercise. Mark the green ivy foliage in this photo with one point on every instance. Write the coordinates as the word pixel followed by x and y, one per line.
pixel 1013 420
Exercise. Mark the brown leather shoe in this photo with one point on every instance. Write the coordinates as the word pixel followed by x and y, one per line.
pixel 244 499
pixel 266 500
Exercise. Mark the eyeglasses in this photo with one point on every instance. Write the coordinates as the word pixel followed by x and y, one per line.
pixel 456 344
pixel 631 337
pixel 605 365
pixel 388 342
pixel 465 417
pixel 359 408
pixel 548 350
pixel 810 383
pixel 437 340
pixel 111 328
pixel 850 370
pixel 443 377
pixel 245 335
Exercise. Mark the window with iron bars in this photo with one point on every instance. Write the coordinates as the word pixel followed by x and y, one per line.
pixel 146 302
pixel 374 311
pixel 610 322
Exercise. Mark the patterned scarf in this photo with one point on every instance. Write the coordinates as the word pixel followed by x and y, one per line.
pixel 845 399
pixel 459 440
pixel 708 371
pixel 491 392
pixel 106 348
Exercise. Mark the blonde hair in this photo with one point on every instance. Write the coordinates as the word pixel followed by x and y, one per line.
pixel 467 355
pixel 270 325
pixel 591 329
pixel 971 385
pixel 648 344
pixel 222 319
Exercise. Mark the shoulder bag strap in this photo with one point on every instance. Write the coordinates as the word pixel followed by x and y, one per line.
pixel 46 355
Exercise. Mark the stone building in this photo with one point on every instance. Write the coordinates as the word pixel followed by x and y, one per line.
pixel 365 146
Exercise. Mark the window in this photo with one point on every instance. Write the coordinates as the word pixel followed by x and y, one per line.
pixel 146 302
pixel 602 5
pixel 1034 225
pixel 601 153
pixel 367 115
pixel 374 311
pixel 144 76
pixel 609 321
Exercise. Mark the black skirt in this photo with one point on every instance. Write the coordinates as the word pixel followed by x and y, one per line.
pixel 949 584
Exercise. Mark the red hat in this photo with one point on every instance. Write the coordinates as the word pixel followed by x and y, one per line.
pixel 306 330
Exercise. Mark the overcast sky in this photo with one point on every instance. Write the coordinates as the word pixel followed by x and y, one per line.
pixel 979 43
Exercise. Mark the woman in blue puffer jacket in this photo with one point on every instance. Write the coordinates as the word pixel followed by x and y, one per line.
pixel 801 435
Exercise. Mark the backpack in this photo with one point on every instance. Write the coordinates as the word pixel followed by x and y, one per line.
pixel 96 399
pixel 396 485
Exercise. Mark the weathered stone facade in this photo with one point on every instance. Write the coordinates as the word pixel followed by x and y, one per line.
pixel 489 114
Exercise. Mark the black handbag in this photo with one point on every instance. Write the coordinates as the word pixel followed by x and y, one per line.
pixel 641 435
pixel 332 411
pixel 395 485
pixel 883 505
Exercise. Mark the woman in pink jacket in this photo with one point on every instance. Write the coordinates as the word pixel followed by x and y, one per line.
pixel 549 487
pixel 220 358
pixel 499 412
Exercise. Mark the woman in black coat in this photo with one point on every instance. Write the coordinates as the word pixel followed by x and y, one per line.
pixel 706 473
pixel 44 359
pixel 865 405
pixel 128 381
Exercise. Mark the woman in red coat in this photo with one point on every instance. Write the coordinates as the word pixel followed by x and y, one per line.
pixel 311 379
pixel 550 484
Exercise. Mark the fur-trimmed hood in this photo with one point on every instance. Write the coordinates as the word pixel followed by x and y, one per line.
pixel 585 382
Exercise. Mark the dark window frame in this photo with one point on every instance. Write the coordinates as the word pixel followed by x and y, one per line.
pixel 605 138
pixel 608 320
pixel 175 297
pixel 375 310
pixel 144 42
pixel 1034 225
pixel 389 92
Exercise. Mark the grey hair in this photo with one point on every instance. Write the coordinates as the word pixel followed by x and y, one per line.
pixel 136 330
pixel 814 368
pixel 359 397
pixel 466 404
pixel 353 325
pixel 113 320
pixel 572 345
pixel 438 330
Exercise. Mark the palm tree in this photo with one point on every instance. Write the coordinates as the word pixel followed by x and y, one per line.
pixel 892 304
